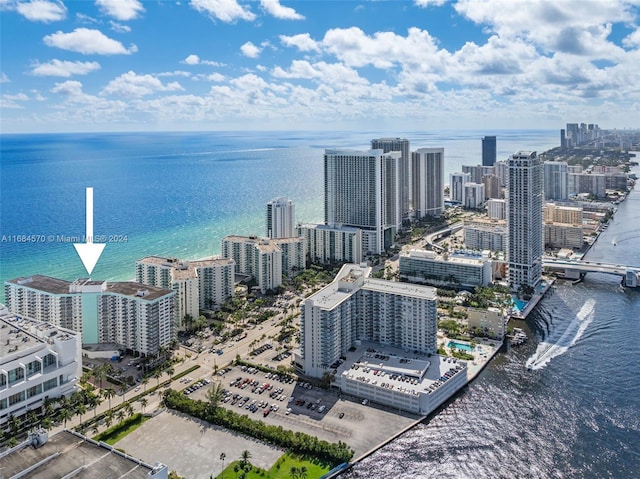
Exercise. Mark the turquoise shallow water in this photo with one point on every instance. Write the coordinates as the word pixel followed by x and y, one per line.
pixel 175 194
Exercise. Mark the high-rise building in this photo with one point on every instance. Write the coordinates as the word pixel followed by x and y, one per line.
pixel 556 180
pixel 260 258
pixel 456 186
pixel 497 209
pixel 326 244
pixel 428 181
pixel 355 307
pixel 135 316
pixel 489 151
pixel 201 284
pixel 473 195
pixel 280 218
pixel 404 170
pixel 38 361
pixel 491 186
pixel 361 190
pixel 525 240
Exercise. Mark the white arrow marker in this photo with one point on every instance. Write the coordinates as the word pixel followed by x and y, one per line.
pixel 89 252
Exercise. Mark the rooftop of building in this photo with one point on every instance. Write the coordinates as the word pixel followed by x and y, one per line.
pixel 137 290
pixel 43 283
pixel 398 369
pixel 328 227
pixel 332 294
pixel 468 257
pixel 403 289
pixel 19 333
pixel 68 454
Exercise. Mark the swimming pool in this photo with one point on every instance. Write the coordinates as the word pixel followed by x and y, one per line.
pixel 460 346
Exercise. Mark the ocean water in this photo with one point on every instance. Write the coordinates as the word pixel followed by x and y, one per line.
pixel 175 194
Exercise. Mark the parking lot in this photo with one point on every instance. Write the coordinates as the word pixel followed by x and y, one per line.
pixel 299 406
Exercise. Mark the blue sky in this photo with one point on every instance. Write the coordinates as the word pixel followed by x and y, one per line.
pixel 113 65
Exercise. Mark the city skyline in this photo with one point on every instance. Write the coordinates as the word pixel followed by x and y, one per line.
pixel 218 65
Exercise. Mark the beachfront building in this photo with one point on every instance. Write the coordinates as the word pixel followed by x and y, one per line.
pixel 137 317
pixel 354 307
pixel 362 190
pixel 465 269
pixel 404 171
pixel 456 186
pixel 37 360
pixel 281 218
pixel 473 195
pixel 525 240
pixel 326 244
pixel 489 150
pixel 199 285
pixel 294 255
pixel 428 182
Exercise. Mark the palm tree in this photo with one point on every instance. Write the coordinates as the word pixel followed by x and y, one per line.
pixel 156 376
pixel 108 420
pixel 303 472
pixel 81 408
pixel 108 394
pixel 46 423
pixel 128 408
pixel 214 396
pixel 244 458
pixel 120 415
pixel 123 390
pixel 222 458
pixel 145 381
pixel 65 414
pixel 143 403
pixel 93 402
pixel 171 371
pixel 294 472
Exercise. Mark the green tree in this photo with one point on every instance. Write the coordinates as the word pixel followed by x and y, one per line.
pixel 123 390
pixel 214 396
pixel 65 414
pixel 143 403
pixel 108 394
pixel 244 458
pixel 156 375
pixel 80 409
pixel 145 381
pixel 293 472
pixel 303 472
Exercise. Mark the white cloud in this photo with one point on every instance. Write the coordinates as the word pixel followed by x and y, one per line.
pixel 4 78
pixel 175 73
pixel 224 10
pixel 87 41
pixel 196 60
pixel 274 8
pixel 62 68
pixel 16 97
pixel 68 88
pixel 633 39
pixel 123 10
pixel 131 84
pixel 119 27
pixel 86 19
pixel 250 50
pixel 42 10
pixel 330 73
pixel 428 3
pixel 302 42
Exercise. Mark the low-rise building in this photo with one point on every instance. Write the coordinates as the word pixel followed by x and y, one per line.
pixel 490 320
pixel 485 235
pixel 462 269
pixel 37 360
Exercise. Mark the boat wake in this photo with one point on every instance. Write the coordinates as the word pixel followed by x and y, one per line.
pixel 559 342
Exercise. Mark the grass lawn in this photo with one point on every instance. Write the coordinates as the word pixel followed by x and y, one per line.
pixel 280 470
pixel 117 432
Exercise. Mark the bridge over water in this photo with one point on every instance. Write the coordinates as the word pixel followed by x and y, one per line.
pixel 575 269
